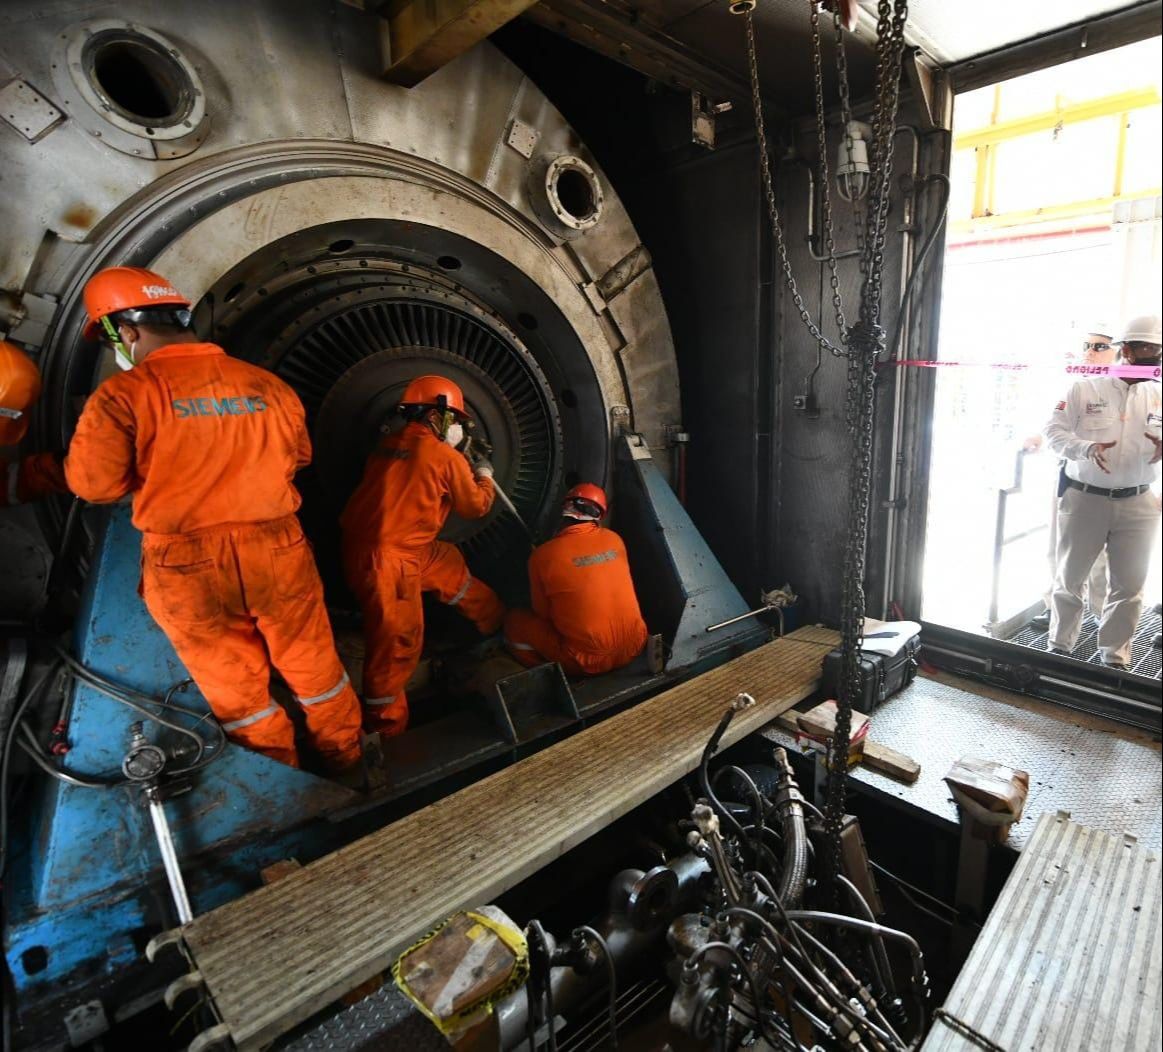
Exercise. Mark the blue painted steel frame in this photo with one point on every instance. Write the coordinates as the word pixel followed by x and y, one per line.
pixel 85 887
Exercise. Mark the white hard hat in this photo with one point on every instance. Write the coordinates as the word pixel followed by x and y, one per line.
pixel 1143 329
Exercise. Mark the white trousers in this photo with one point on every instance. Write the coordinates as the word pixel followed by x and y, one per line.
pixel 1087 523
pixel 1096 583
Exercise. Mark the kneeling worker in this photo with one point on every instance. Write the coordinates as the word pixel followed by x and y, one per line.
pixel 208 446
pixel 411 483
pixel 585 614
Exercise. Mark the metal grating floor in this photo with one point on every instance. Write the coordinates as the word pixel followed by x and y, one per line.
pixel 1106 775
pixel 1069 958
pixel 1145 658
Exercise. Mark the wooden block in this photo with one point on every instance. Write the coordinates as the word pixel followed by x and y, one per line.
pixel 888 761
pixel 876 756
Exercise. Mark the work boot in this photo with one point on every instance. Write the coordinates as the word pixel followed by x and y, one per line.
pixel 1158 640
pixel 1041 621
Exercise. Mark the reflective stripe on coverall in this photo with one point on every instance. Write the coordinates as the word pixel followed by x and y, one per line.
pixel 209 445
pixel 233 601
pixel 391 556
pixel 31 478
pixel 585 611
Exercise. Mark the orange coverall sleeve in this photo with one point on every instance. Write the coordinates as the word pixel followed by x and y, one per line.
pixel 100 466
pixel 471 497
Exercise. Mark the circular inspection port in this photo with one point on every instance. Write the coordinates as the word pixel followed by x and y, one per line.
pixel 574 192
pixel 139 79
pixel 123 82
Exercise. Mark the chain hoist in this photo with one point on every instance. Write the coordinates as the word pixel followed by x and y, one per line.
pixel 864 341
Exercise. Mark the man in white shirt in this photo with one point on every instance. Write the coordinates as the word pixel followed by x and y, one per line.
pixel 1107 429
pixel 1097 349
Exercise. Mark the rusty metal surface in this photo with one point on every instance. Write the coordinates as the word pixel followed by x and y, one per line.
pixel 278 955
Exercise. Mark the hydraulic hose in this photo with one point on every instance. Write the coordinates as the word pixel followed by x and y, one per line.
pixel 879 952
pixel 794 878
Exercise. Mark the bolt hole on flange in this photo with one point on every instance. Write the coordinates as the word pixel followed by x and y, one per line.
pixel 337 248
pixel 448 263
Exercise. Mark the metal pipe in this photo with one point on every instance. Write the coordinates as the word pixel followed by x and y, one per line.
pixel 165 843
pixel 902 380
pixel 736 620
pixel 626 944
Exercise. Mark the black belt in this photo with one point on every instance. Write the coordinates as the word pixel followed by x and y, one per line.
pixel 1114 494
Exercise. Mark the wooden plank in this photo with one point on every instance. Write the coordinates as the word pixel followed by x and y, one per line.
pixel 277 955
pixel 1070 957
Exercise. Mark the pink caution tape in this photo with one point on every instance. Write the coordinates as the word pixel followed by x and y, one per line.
pixel 1134 372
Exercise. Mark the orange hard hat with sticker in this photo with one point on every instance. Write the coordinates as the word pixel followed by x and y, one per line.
pixel 126 288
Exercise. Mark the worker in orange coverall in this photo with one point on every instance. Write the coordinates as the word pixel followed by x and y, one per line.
pixel 38 474
pixel 413 479
pixel 208 446
pixel 585 614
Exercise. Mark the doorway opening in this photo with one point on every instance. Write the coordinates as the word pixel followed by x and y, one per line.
pixel 1054 235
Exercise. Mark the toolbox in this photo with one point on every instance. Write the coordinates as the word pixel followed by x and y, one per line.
pixel 881 676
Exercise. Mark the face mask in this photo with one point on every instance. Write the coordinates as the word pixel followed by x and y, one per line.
pixel 454 435
pixel 124 356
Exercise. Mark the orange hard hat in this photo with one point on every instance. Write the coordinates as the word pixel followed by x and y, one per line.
pixel 590 493
pixel 435 391
pixel 125 288
pixel 19 389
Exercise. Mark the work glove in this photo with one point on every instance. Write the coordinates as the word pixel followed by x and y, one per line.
pixel 483 468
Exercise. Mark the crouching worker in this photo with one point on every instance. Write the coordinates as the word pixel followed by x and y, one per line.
pixel 585 614
pixel 391 556
pixel 208 447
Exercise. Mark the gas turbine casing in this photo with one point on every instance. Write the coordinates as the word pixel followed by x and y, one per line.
pixel 293 131
pixel 300 131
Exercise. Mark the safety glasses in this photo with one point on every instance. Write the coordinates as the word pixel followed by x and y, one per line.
pixel 1098 347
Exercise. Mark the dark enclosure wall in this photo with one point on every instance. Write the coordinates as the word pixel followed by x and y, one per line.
pixel 767 474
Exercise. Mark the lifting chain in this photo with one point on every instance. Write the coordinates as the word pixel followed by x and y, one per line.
pixel 769 194
pixel 865 341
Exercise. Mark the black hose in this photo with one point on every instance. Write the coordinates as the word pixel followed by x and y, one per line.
pixel 704 774
pixel 756 803
pixel 6 755
pixel 32 747
pixel 140 702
